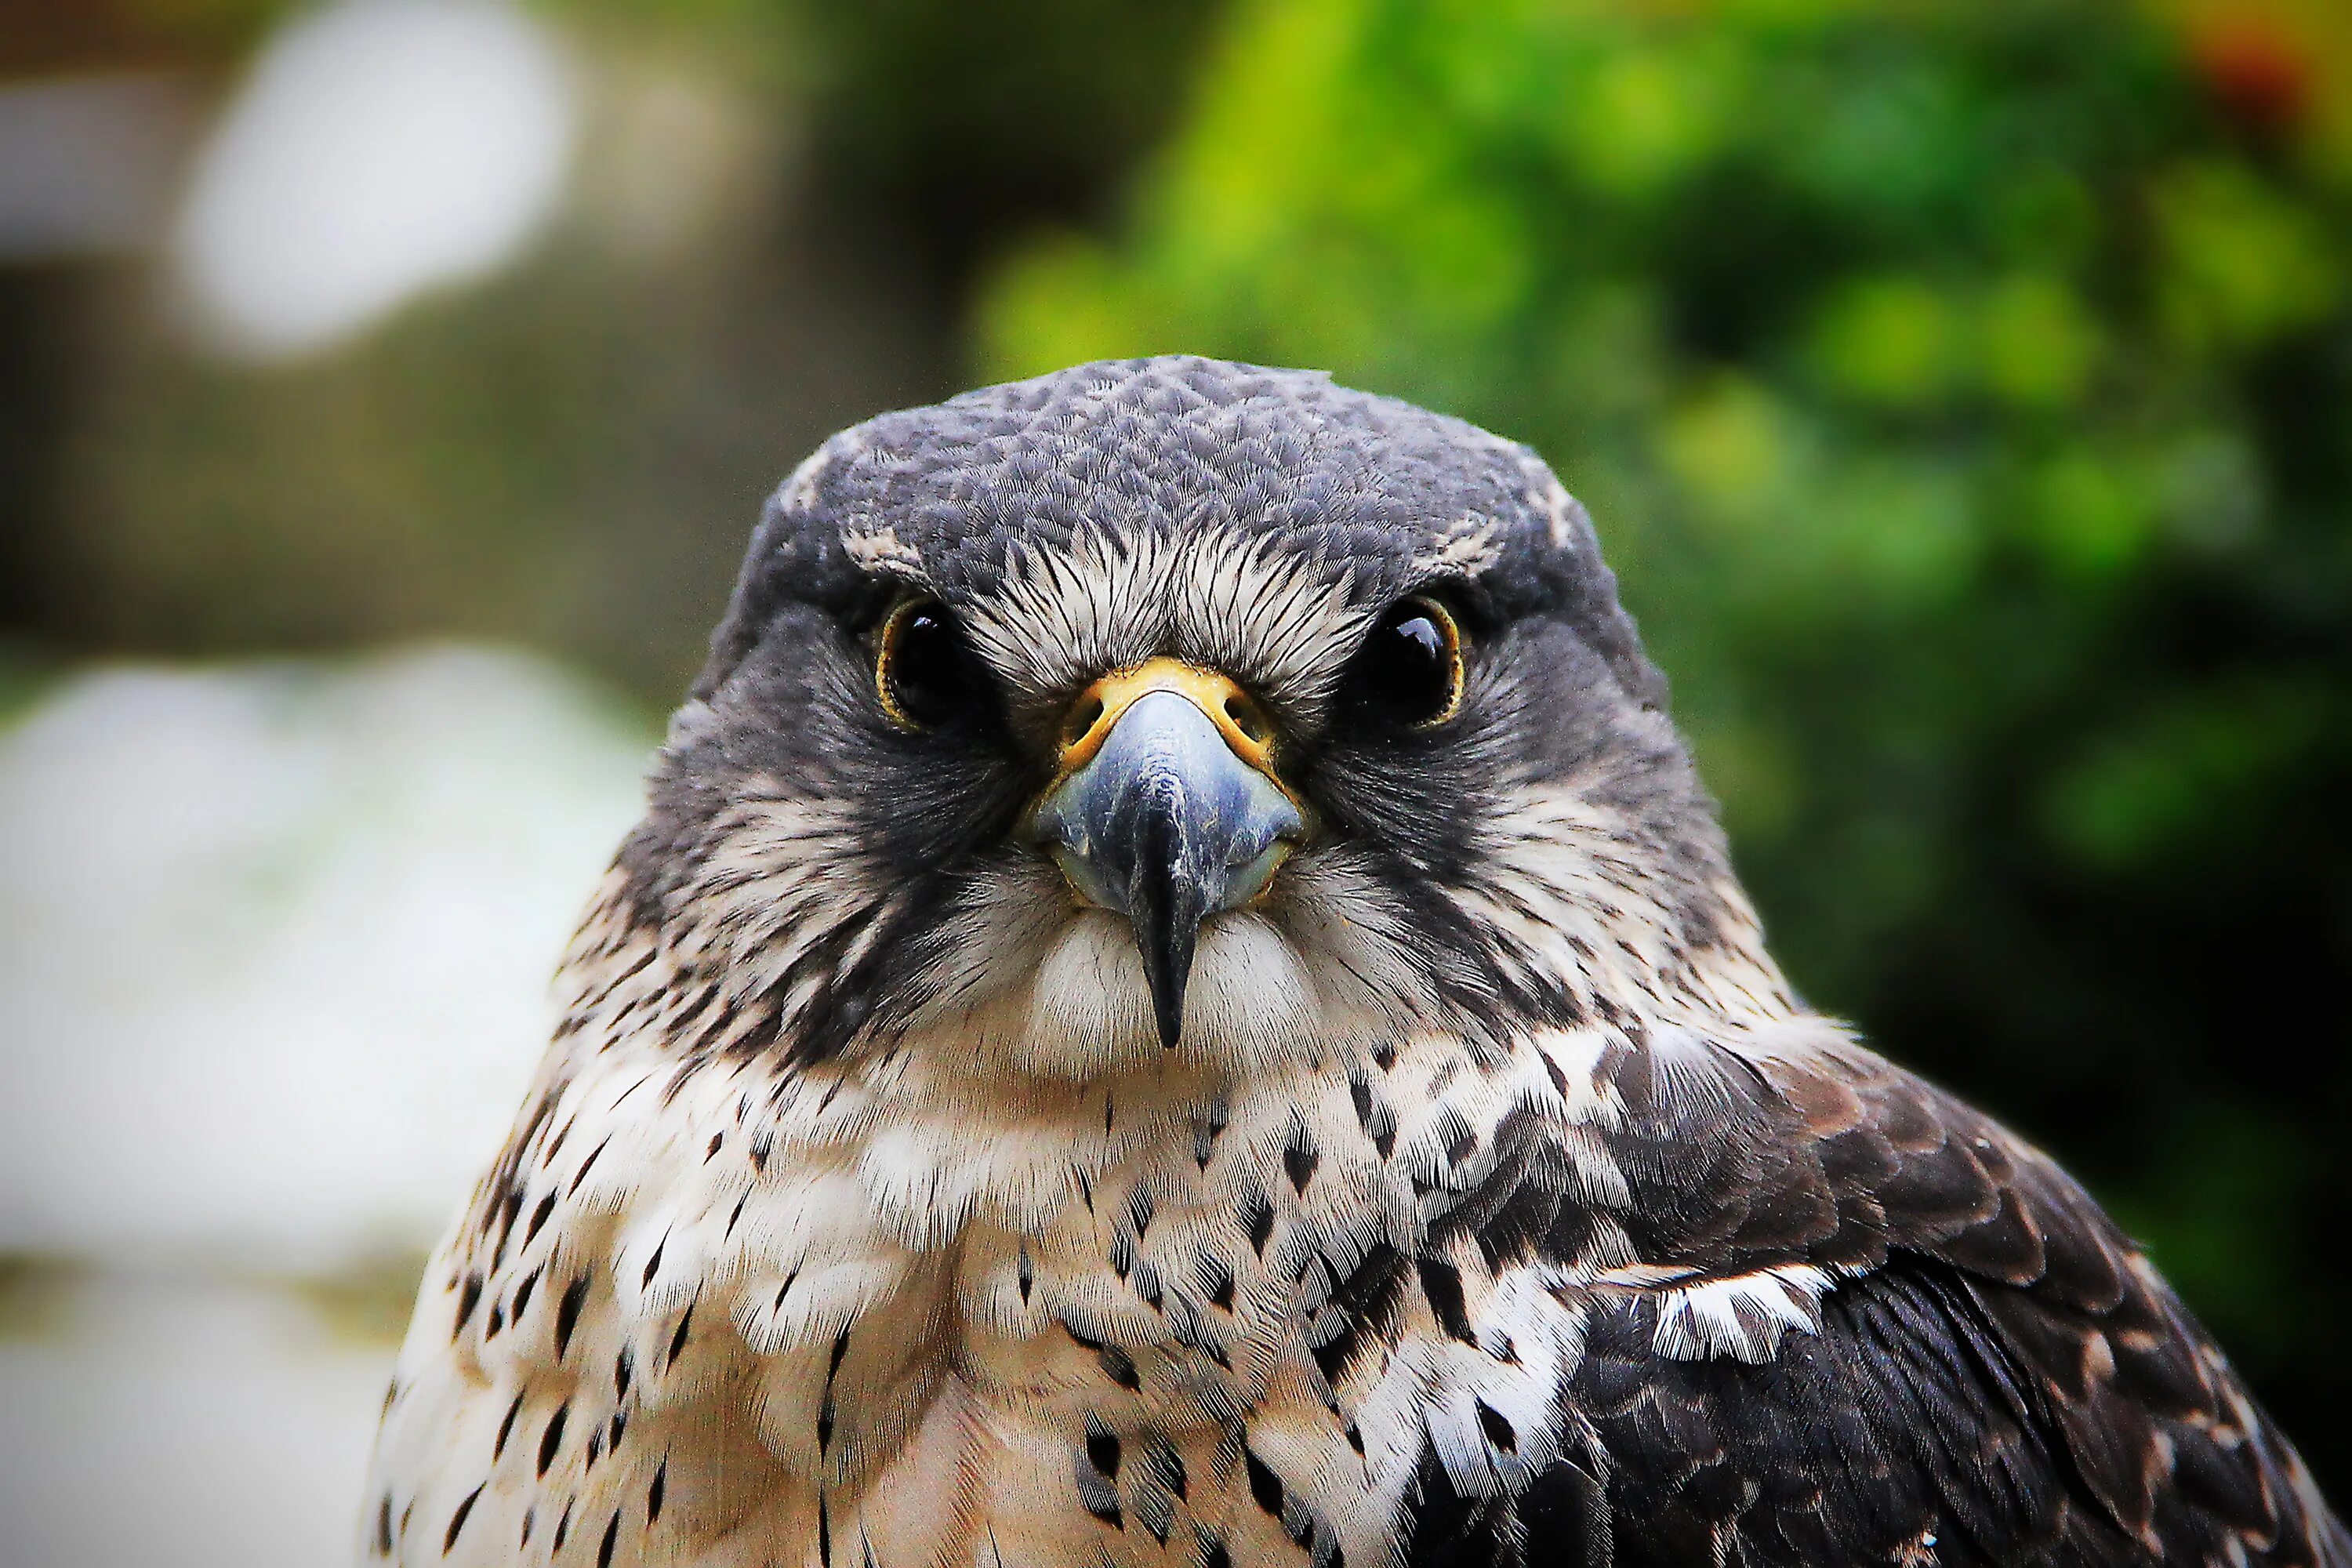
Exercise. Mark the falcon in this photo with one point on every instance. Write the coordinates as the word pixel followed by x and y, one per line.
pixel 1178 1000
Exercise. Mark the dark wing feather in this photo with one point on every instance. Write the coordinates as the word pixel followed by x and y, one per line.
pixel 1903 1432
pixel 1999 1378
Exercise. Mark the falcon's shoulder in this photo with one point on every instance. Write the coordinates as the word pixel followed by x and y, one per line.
pixel 1850 1320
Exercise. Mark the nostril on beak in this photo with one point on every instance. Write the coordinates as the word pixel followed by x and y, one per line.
pixel 1082 719
pixel 1168 818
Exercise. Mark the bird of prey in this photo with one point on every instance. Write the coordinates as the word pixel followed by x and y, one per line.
pixel 1177 1001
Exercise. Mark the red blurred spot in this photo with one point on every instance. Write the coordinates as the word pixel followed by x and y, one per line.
pixel 2254 71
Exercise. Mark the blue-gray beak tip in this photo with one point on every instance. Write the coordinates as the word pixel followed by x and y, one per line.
pixel 1166 824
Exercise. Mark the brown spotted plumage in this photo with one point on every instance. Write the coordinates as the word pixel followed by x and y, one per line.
pixel 1178 1002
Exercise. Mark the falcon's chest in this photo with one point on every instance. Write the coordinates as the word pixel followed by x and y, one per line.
pixel 1108 1343
pixel 1146 1319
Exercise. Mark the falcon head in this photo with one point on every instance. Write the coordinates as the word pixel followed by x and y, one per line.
pixel 1177 706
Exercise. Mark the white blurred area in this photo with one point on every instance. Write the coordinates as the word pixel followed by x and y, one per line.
pixel 275 942
pixel 380 148
pixel 184 1423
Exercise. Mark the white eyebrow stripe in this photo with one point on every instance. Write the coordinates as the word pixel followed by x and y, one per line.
pixel 1272 618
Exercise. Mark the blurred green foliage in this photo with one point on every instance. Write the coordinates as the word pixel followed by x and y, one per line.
pixel 1964 391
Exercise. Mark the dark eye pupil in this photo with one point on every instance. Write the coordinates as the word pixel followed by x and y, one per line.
pixel 1407 672
pixel 930 672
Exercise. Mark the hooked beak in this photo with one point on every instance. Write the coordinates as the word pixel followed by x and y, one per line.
pixel 1167 810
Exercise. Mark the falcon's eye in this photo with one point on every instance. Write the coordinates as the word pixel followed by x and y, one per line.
pixel 923 671
pixel 1409 671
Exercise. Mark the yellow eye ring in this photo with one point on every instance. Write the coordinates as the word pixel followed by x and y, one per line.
pixel 1457 671
pixel 1411 671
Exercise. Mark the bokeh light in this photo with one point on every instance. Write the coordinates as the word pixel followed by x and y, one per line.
pixel 380 148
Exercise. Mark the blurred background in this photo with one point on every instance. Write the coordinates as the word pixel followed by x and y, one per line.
pixel 1963 389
